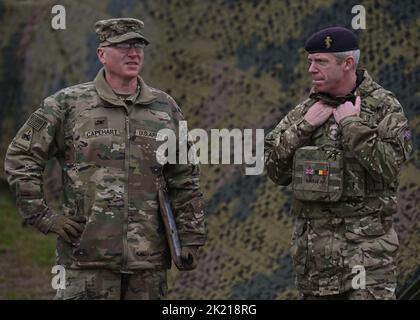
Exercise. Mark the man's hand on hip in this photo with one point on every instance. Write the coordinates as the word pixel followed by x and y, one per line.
pixel 318 114
pixel 347 109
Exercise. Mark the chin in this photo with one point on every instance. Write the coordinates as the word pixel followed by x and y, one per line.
pixel 323 89
pixel 131 74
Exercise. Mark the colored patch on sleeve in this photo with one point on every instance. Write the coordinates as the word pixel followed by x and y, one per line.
pixel 407 134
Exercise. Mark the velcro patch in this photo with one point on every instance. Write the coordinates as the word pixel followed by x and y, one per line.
pixel 316 174
pixel 102 132
pixel 36 121
pixel 145 133
pixel 101 123
pixel 149 134
pixel 23 141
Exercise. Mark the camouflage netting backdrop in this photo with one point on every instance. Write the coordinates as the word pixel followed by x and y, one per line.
pixel 229 64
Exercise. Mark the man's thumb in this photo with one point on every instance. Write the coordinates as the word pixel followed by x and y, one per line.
pixel 358 102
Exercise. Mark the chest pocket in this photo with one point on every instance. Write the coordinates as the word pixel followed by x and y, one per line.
pixel 370 111
pixel 97 141
pixel 354 178
pixel 318 174
pixel 146 126
pixel 145 146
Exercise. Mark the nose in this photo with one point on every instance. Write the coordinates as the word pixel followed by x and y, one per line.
pixel 312 68
pixel 132 51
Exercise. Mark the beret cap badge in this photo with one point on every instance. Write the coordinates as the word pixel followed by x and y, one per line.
pixel 333 39
pixel 328 42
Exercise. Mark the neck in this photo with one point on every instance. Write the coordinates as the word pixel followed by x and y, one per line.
pixel 346 86
pixel 121 85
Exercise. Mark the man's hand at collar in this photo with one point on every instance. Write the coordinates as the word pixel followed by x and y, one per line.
pixel 347 109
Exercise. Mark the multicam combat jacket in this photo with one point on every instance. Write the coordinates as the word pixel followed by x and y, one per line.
pixel 110 175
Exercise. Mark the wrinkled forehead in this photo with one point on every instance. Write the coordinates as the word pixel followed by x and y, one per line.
pixel 321 56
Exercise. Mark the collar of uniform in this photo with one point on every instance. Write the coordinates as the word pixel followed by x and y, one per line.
pixel 105 91
pixel 146 95
pixel 130 98
pixel 366 86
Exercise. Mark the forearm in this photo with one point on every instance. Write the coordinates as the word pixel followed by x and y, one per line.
pixel 25 161
pixel 25 182
pixel 280 146
pixel 183 186
pixel 381 151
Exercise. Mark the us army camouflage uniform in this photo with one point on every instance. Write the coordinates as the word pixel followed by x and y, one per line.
pixel 110 175
pixel 330 238
pixel 147 284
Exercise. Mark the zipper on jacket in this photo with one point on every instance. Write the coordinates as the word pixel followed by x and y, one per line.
pixel 127 174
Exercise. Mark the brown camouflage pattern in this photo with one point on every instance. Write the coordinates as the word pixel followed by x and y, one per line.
pixel 330 238
pixel 318 174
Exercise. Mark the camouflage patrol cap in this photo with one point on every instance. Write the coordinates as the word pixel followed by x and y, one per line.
pixel 334 39
pixel 117 30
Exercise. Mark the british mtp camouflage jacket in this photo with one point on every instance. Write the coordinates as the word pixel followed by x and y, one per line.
pixel 331 238
pixel 375 145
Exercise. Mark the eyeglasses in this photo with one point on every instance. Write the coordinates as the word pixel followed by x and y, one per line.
pixel 125 46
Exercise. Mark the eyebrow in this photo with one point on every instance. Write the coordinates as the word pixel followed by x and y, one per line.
pixel 318 59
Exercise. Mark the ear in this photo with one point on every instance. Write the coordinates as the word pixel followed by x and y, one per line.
pixel 100 52
pixel 348 63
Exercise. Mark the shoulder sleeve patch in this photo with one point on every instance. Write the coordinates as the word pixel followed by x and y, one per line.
pixel 23 141
pixel 36 121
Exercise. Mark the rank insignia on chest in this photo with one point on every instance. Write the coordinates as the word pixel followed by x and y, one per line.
pixel 101 123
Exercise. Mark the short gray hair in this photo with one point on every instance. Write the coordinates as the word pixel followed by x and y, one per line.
pixel 340 56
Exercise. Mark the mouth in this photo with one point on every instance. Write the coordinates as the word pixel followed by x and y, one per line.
pixel 317 81
pixel 132 63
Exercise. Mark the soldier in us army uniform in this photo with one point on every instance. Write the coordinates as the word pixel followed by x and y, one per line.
pixel 341 150
pixel 111 238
